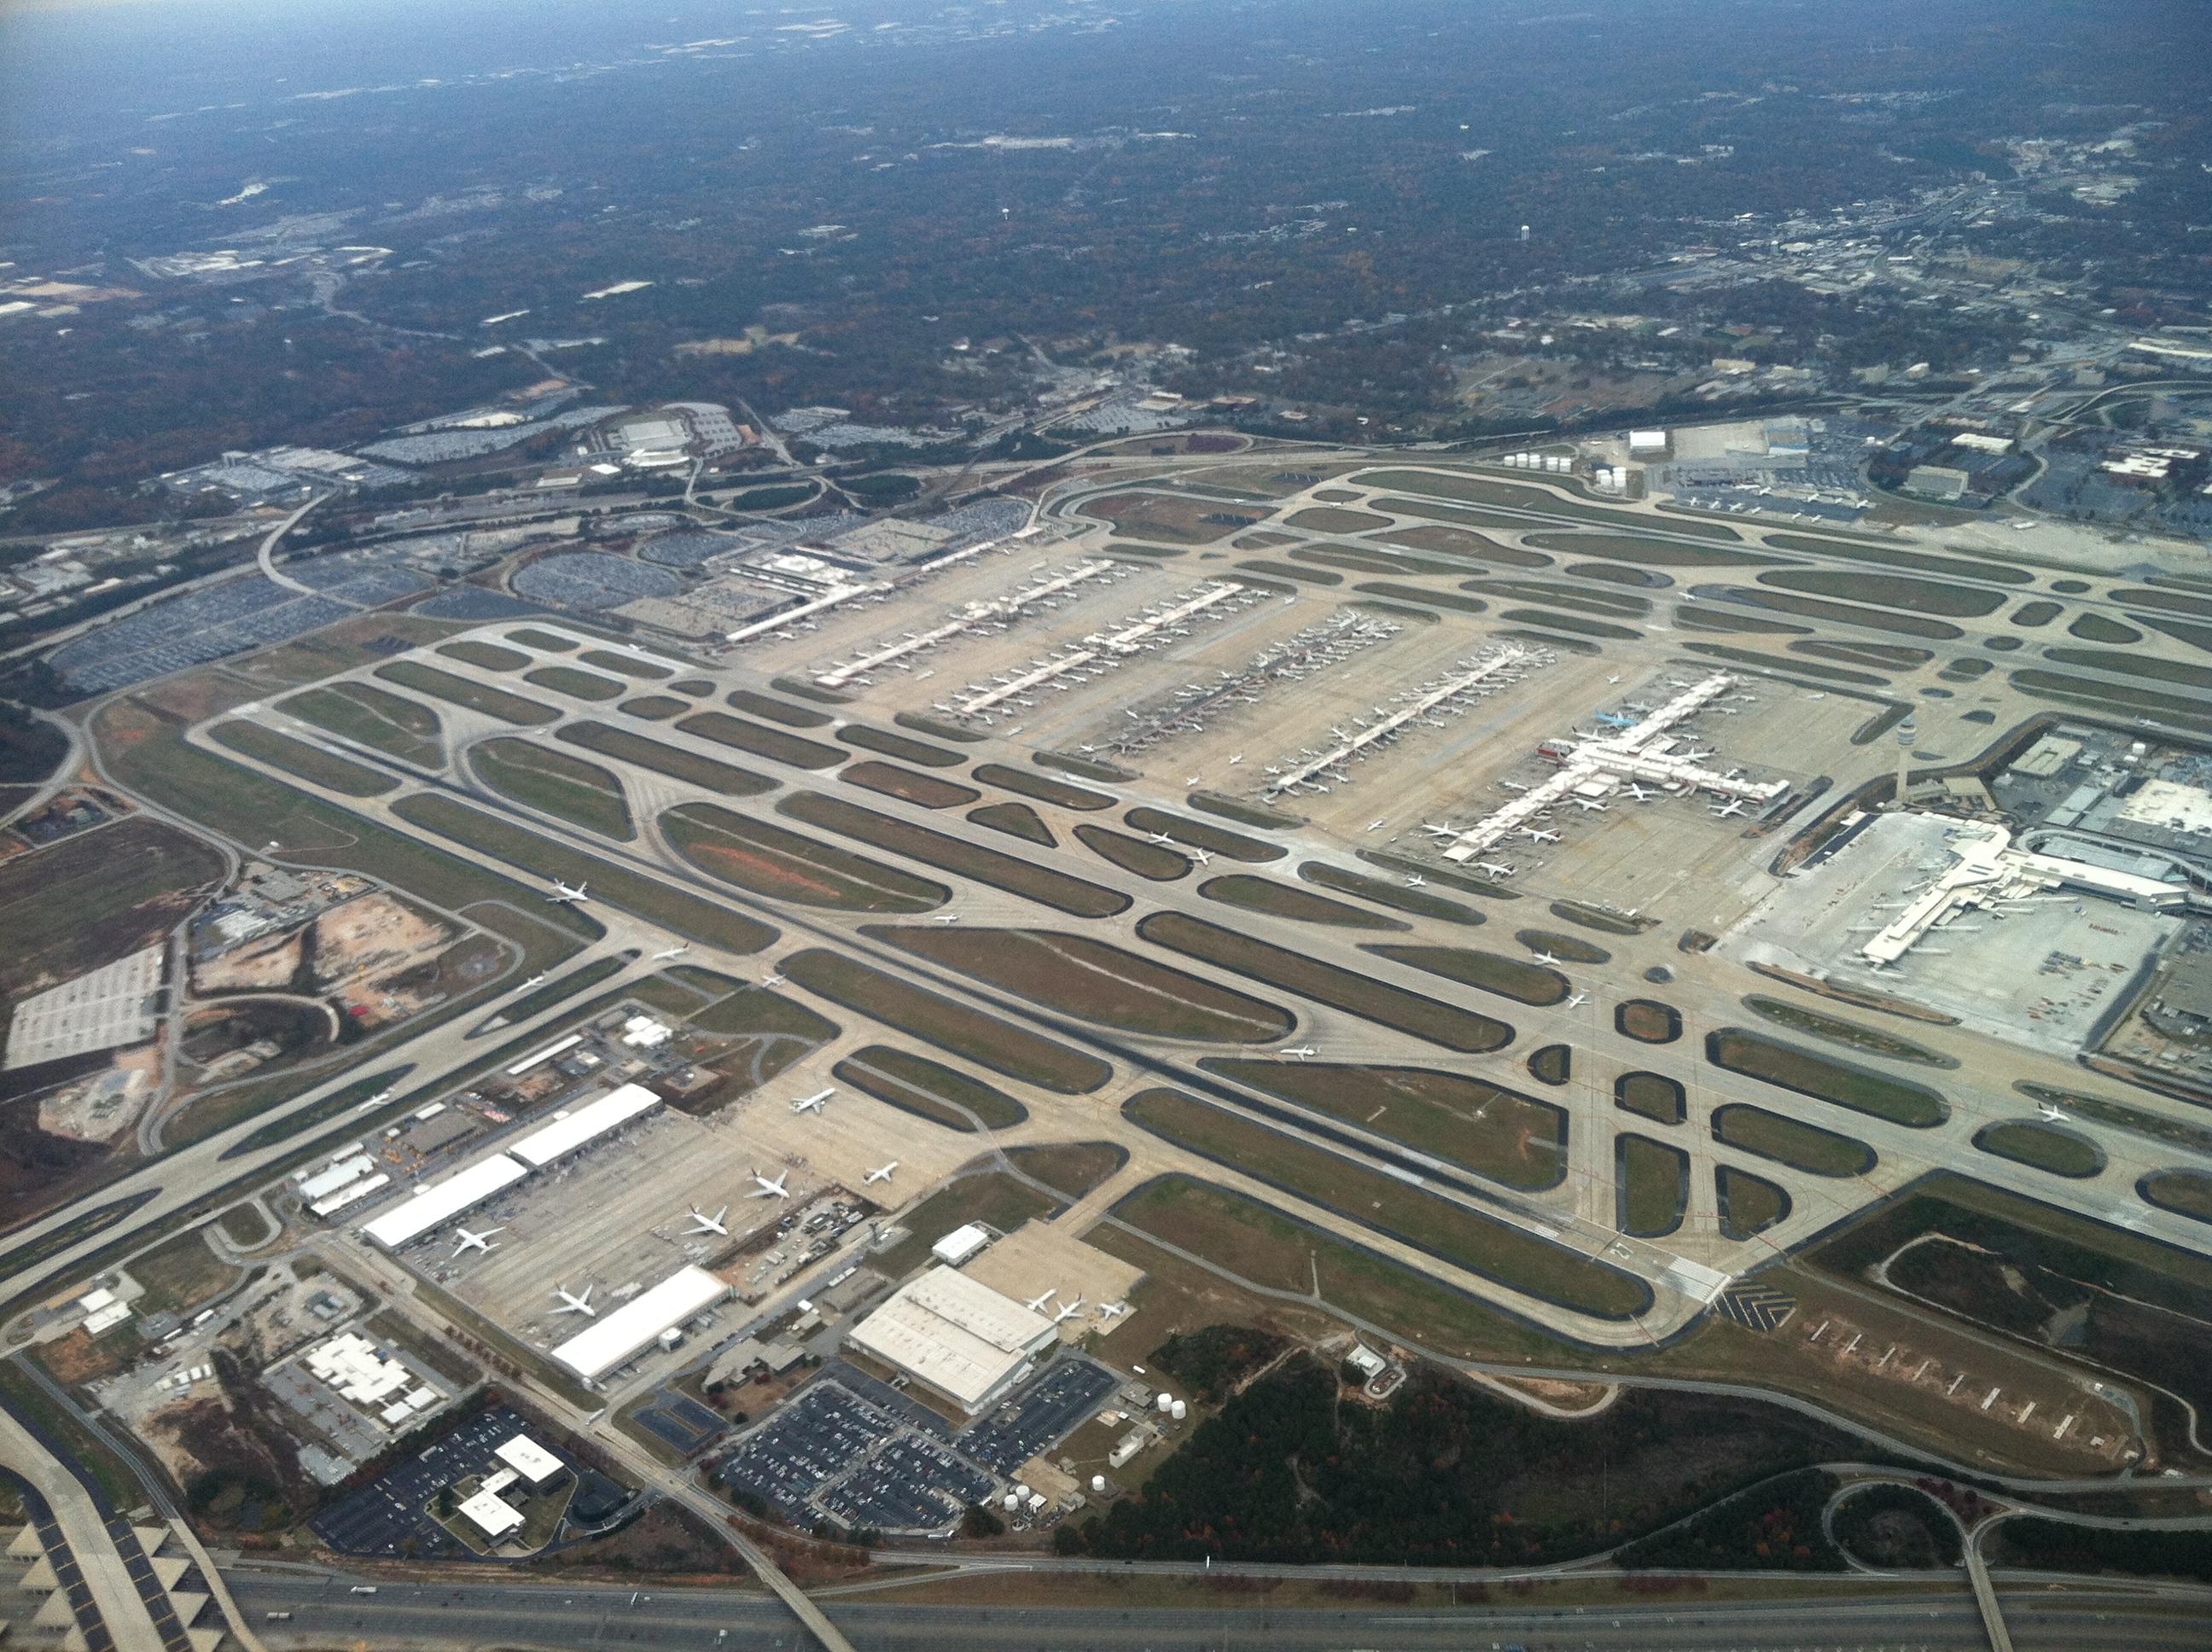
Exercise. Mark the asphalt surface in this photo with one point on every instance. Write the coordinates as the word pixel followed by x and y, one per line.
pixel 547 1616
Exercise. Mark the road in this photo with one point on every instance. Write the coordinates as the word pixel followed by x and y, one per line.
pixel 1859 1614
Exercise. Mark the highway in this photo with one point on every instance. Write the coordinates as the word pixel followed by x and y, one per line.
pixel 1858 1614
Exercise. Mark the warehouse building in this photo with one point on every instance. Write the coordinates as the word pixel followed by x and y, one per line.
pixel 444 1200
pixel 570 1131
pixel 955 1335
pixel 616 1338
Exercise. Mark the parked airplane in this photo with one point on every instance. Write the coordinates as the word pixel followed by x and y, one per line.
pixel 1436 830
pixel 1162 837
pixel 813 1103
pixel 1036 1304
pixel 1513 786
pixel 1236 759
pixel 2051 1115
pixel 1299 1052
pixel 475 1240
pixel 574 1304
pixel 1546 959
pixel 672 952
pixel 768 1189
pixel 1067 1310
pixel 1733 807
pixel 1112 1310
pixel 1590 805
pixel 881 1173
pixel 563 893
pixel 1535 835
pixel 1494 869
pixel 1575 1000
pixel 1639 793
pixel 1201 856
pixel 1375 825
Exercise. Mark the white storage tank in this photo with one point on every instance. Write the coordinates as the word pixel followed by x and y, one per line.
pixel 1013 1504
pixel 1165 1402
pixel 1179 1411
pixel 1098 1483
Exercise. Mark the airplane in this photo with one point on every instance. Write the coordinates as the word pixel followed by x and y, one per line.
pixel 881 1173
pixel 2051 1115
pixel 813 1103
pixel 381 1096
pixel 716 1224
pixel 1590 805
pixel 1162 837
pixel 573 1304
pixel 1639 793
pixel 1375 825
pixel 768 1189
pixel 946 918
pixel 1194 779
pixel 1513 786
pixel 1300 1052
pixel 1067 1310
pixel 1494 869
pixel 1435 829
pixel 475 1240
pixel 1238 758
pixel 1201 856
pixel 1112 1310
pixel 672 952
pixel 1544 957
pixel 1414 880
pixel 1535 835
pixel 562 894
pixel 1613 677
pixel 1574 1000
pixel 1036 1304
pixel 533 981
pixel 772 979
pixel 1733 807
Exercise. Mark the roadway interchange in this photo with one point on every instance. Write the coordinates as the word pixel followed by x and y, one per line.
pixel 1864 1614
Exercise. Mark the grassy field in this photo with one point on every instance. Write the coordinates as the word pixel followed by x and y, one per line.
pixel 692 916
pixel 1015 820
pixel 1801 1146
pixel 1876 619
pixel 971 1035
pixel 551 641
pixel 930 1089
pixel 991 1197
pixel 1788 1067
pixel 1090 769
pixel 463 691
pixel 2103 628
pixel 1837 1031
pixel 1072 1168
pixel 905 749
pixel 1042 787
pixel 2185 1192
pixel 1429 1019
pixel 1492 1131
pixel 2115 700
pixel 488 655
pixel 761 740
pixel 1653 1180
pixel 1460 543
pixel 1199 834
pixel 399 727
pixel 97 896
pixel 1749 1205
pixel 308 762
pixel 1132 854
pixel 582 793
pixel 655 708
pixel 928 790
pixel 628 665
pixel 1453 1233
pixel 1492 972
pixel 1398 897
pixel 777 711
pixel 1391 591
pixel 1648 1021
pixel 2060 1152
pixel 762 857
pixel 578 685
pixel 674 762
pixel 1480 491
pixel 1573 949
pixel 1890 590
pixel 1255 894
pixel 1056 890
pixel 2155 1127
pixel 1650 1095
pixel 1646 553
pixel 1098 982
pixel 1554 1064
pixel 1913 560
pixel 180 1274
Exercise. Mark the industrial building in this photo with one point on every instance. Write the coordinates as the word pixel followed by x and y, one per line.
pixel 444 1200
pixel 612 1341
pixel 569 1130
pixel 955 1335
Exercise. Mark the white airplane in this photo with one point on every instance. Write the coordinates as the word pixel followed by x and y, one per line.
pixel 717 1224
pixel 1300 1052
pixel 1639 793
pixel 1036 1304
pixel 1575 1000
pixel 1439 829
pixel 533 981
pixel 1414 880
pixel 1590 805
pixel 2050 1113
pixel 1494 869
pixel 1162 837
pixel 1238 758
pixel 771 980
pixel 1733 807
pixel 475 1240
pixel 1112 1310
pixel 1537 835
pixel 574 1304
pixel 1613 676
pixel 813 1103
pixel 1545 958
pixel 1513 786
pixel 672 952
pixel 563 893
pixel 881 1173
pixel 946 918
pixel 1194 779
pixel 1067 1310
pixel 1375 825
pixel 1201 856
pixel 768 1189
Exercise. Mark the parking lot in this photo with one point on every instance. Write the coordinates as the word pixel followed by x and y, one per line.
pixel 389 1518
pixel 1038 1415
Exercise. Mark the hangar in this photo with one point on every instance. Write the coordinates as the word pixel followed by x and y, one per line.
pixel 957 1335
pixel 608 1342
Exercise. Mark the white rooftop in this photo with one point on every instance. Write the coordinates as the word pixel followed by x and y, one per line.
pixel 491 1514
pixel 957 1246
pixel 569 1130
pixel 613 1338
pixel 956 1333
pixel 529 1459
pixel 444 1200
